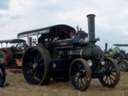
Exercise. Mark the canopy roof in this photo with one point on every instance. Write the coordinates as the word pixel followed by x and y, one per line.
pixel 60 29
pixel 13 41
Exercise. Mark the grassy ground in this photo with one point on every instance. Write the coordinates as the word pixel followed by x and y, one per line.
pixel 18 87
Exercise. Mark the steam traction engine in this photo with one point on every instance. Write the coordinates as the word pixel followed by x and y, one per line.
pixel 11 55
pixel 64 54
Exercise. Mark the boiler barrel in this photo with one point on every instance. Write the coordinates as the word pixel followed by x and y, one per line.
pixel 88 52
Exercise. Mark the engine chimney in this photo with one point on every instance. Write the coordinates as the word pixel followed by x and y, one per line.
pixel 91 27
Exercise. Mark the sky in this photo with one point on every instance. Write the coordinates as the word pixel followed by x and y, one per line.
pixel 22 15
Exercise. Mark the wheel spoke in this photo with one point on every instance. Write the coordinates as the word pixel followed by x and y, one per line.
pixel 109 80
pixel 76 78
pixel 83 82
pixel 112 80
pixel 106 80
pixel 113 73
pixel 29 65
pixel 79 83
pixel 29 71
pixel 112 77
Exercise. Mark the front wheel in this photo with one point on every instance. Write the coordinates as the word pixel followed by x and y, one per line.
pixel 111 76
pixel 80 74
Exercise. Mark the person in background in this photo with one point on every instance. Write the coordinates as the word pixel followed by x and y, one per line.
pixel 2 75
pixel 2 69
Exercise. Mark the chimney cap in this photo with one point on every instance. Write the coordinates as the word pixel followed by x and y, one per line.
pixel 91 15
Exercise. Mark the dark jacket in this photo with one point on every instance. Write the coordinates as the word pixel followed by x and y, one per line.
pixel 2 75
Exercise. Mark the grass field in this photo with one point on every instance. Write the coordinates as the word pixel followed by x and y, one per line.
pixel 18 87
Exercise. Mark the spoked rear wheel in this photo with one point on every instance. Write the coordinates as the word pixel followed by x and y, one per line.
pixel 80 74
pixel 36 65
pixel 112 74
